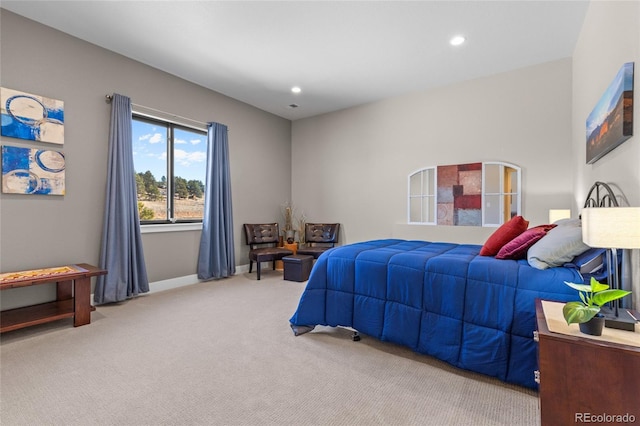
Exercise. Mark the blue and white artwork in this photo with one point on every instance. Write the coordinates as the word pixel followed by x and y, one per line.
pixel 31 117
pixel 32 171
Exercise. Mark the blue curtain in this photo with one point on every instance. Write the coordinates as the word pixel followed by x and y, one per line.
pixel 216 258
pixel 121 253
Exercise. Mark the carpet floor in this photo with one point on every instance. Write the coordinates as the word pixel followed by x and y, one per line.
pixel 222 353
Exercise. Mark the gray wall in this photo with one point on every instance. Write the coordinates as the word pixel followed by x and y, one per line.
pixel 352 166
pixel 39 231
pixel 610 37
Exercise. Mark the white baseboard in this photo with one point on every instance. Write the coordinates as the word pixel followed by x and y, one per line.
pixel 171 283
pixel 178 282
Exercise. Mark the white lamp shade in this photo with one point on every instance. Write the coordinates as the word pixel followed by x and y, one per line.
pixel 611 227
pixel 557 214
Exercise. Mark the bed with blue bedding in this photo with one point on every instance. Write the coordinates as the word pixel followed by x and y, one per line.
pixel 440 299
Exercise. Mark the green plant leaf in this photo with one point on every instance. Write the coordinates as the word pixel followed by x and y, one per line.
pixel 580 287
pixel 583 298
pixel 597 286
pixel 607 296
pixel 576 312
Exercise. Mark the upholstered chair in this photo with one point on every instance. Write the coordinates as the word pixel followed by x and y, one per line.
pixel 262 239
pixel 319 237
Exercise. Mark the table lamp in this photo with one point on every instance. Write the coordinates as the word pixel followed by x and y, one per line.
pixel 557 214
pixel 613 228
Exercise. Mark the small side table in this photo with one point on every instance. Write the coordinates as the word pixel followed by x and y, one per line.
pixel 293 247
pixel 297 267
pixel 582 378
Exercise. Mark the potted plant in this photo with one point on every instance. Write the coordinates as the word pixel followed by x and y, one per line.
pixel 587 312
pixel 289 232
pixel 301 222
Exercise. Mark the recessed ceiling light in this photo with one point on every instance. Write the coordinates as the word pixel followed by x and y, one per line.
pixel 457 40
pixel 296 89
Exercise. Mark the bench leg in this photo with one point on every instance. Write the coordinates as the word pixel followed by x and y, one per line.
pixel 82 302
pixel 64 290
pixel 258 270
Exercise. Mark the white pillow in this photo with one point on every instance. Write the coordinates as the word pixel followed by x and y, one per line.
pixel 559 246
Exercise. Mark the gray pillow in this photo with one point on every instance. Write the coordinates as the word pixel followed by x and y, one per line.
pixel 568 222
pixel 559 246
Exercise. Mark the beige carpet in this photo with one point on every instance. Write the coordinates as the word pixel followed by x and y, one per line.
pixel 222 353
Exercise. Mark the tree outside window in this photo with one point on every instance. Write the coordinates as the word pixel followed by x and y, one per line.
pixel 170 166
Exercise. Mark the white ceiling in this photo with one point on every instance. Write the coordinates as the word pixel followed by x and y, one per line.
pixel 341 53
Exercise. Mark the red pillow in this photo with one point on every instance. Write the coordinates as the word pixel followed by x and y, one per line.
pixel 517 248
pixel 507 232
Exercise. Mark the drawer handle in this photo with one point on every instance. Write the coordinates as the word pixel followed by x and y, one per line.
pixel 536 338
pixel 536 376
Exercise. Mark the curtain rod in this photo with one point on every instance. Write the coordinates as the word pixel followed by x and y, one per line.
pixel 109 97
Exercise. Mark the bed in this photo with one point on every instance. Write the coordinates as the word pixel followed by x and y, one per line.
pixel 476 312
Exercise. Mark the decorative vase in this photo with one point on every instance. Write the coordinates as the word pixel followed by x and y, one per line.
pixel 594 326
pixel 290 234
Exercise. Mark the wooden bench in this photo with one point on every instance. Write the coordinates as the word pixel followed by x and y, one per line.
pixel 73 294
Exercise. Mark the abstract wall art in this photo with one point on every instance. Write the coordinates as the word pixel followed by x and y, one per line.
pixel 32 171
pixel 460 194
pixel 31 117
pixel 611 121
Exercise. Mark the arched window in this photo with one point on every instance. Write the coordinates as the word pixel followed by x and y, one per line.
pixel 422 196
pixel 501 194
pixel 501 198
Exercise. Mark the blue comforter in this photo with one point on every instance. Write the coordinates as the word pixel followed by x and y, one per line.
pixel 440 299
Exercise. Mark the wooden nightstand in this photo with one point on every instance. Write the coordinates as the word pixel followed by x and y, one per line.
pixel 584 379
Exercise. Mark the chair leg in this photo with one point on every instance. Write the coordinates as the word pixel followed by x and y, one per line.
pixel 258 270
pixel 250 265
pixel 274 265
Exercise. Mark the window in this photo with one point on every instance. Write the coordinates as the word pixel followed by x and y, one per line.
pixel 500 194
pixel 170 165
pixel 422 196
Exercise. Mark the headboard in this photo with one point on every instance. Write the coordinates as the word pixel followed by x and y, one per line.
pixel 600 195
